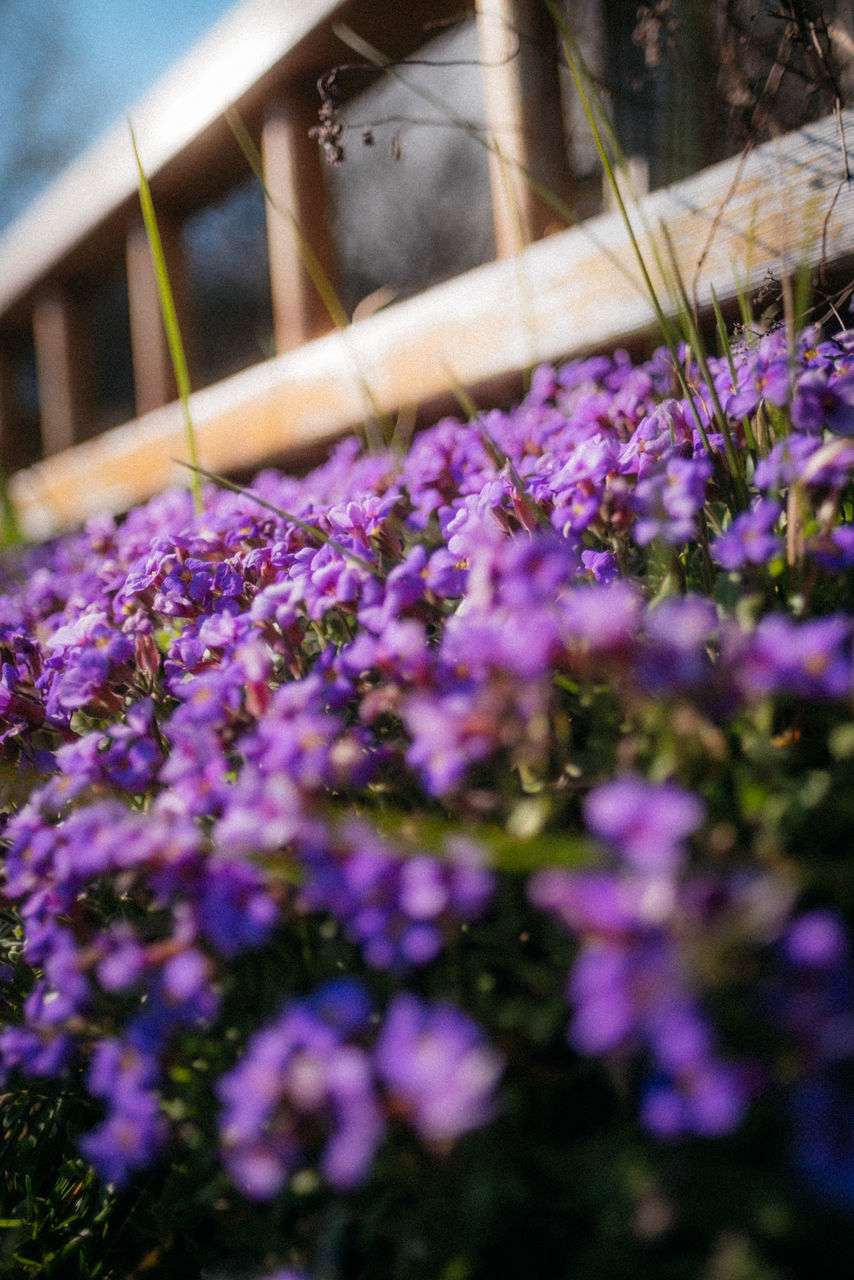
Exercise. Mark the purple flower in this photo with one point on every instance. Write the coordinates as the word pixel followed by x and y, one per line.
pixel 785 462
pixel 750 540
pixel 674 656
pixel 85 656
pixel 262 813
pixel 198 705
pixel 824 400
pixel 578 487
pixel 709 1102
pixel 655 436
pixel 134 1130
pixel 835 551
pixel 35 1052
pixel 602 565
pixel 123 958
pixel 397 907
pixel 810 659
pixel 763 374
pixel 601 621
pixel 125 755
pixel 299 1082
pixel 64 989
pixel 595 902
pixel 449 733
pixel 129 1139
pixel 630 994
pixel 813 1003
pixel 437 1068
pixel 817 940
pixel 668 499
pixel 603 993
pixel 234 908
pixel 296 735
pixel 646 823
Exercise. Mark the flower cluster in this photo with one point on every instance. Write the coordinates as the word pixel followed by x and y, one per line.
pixel 275 774
pixel 304 1073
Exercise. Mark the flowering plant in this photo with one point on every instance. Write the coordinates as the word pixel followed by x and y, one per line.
pixel 440 861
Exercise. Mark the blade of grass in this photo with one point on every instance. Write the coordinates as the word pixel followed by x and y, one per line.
pixel 668 269
pixel 170 316
pixel 602 135
pixel 10 529
pixel 582 83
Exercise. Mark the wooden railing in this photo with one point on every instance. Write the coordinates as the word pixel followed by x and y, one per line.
pixel 574 290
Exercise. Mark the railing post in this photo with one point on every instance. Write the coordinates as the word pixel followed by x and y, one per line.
pixel 524 120
pixel 293 175
pixel 64 371
pixel 153 375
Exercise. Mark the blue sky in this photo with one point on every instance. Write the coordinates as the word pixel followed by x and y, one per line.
pixel 129 43
pixel 110 53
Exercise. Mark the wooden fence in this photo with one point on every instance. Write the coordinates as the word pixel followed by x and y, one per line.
pixel 546 296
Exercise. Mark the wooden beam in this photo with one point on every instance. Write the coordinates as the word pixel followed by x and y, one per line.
pixel 524 120
pixel 569 294
pixel 63 364
pixel 153 374
pixel 293 175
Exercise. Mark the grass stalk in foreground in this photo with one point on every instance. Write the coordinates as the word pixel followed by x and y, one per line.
pixel 170 318
pixel 313 266
pixel 595 114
